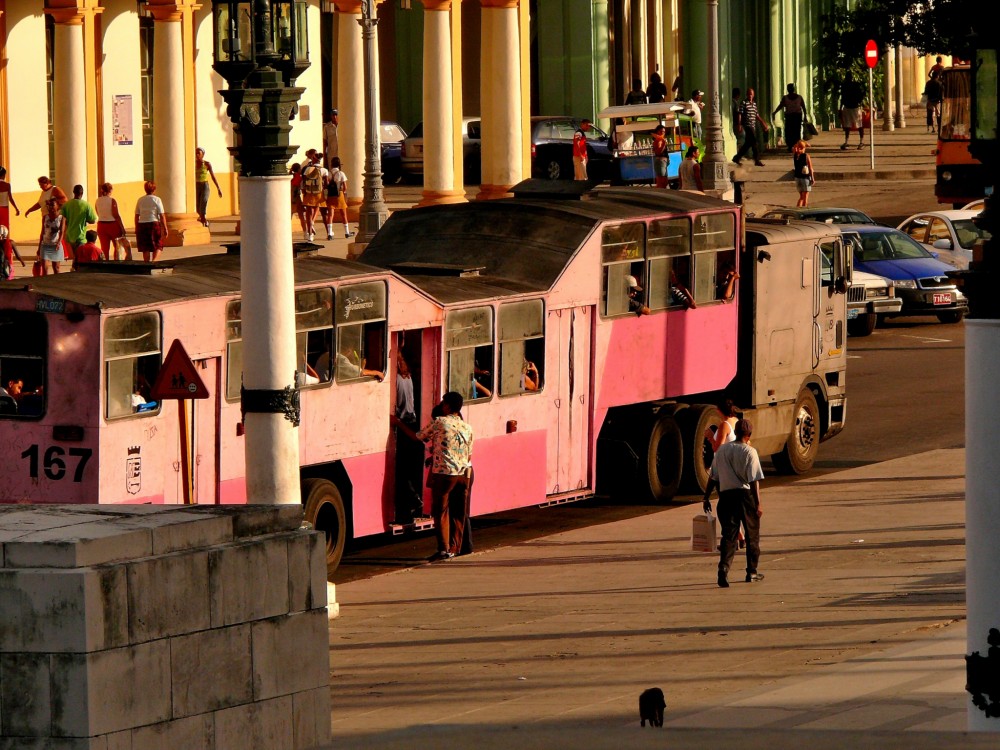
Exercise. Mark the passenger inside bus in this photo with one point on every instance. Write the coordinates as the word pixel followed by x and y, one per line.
pixel 350 364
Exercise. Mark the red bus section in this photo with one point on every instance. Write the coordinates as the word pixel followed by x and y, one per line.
pixel 961 178
pixel 590 334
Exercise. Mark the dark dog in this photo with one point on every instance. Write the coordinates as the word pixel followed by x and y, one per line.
pixel 651 705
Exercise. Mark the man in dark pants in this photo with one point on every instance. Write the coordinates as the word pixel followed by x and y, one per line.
pixel 409 451
pixel 747 124
pixel 736 472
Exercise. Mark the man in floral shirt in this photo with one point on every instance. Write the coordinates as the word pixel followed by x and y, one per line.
pixel 450 438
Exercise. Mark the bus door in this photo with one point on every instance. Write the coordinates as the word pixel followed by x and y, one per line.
pixel 205 417
pixel 567 388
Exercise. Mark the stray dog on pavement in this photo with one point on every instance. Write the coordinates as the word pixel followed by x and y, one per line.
pixel 651 705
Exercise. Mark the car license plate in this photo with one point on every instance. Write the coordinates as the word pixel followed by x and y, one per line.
pixel 853 314
pixel 942 299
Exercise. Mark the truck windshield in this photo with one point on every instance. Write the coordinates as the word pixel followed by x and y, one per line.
pixel 23 346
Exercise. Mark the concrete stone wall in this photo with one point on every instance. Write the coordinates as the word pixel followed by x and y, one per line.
pixel 147 627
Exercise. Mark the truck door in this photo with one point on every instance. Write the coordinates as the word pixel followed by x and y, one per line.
pixel 828 306
pixel 567 389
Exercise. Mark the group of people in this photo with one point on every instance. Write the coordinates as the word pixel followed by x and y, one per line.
pixel 317 189
pixel 656 92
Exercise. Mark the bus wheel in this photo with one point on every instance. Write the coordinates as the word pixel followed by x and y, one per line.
pixel 664 459
pixel 697 450
pixel 863 325
pixel 802 445
pixel 325 511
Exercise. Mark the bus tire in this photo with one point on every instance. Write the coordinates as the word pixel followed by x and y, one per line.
pixel 324 509
pixel 664 459
pixel 863 325
pixel 802 443
pixel 697 450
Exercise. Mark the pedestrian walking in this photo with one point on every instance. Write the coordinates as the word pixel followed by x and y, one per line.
pixel 49 191
pixel 636 95
pixel 933 96
pixel 691 170
pixel 331 146
pixel 6 200
pixel 852 97
pixel 110 226
pixel 336 199
pixel 150 223
pixel 805 177
pixel 748 119
pixel 795 112
pixel 78 214
pixel 734 114
pixel 8 253
pixel 661 158
pixel 580 157
pixel 725 433
pixel 656 92
pixel 314 178
pixel 297 208
pixel 736 472
pixel 203 172
pixel 50 241
pixel 696 105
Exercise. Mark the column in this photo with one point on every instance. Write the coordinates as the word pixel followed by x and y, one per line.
pixel 501 98
pixel 172 153
pixel 887 86
pixel 351 100
pixel 900 120
pixel 715 166
pixel 438 96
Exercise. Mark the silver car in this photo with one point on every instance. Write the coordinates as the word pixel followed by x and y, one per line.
pixel 413 150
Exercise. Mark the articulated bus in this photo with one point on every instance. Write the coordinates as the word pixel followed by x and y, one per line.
pixel 467 294
pixel 961 178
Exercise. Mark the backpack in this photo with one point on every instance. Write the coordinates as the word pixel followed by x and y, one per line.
pixel 333 187
pixel 312 180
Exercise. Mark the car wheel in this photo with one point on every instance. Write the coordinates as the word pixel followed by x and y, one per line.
pixel 863 325
pixel 951 317
pixel 553 169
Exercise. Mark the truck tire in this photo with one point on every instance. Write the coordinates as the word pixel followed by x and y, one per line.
pixel 698 453
pixel 863 325
pixel 664 460
pixel 324 509
pixel 802 444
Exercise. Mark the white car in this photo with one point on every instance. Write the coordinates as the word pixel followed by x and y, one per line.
pixel 948 234
pixel 413 150
pixel 976 206
pixel 868 297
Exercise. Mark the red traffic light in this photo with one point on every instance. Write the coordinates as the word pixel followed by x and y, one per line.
pixel 871 53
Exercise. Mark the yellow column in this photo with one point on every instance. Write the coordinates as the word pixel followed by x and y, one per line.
pixel 438 100
pixel 501 96
pixel 351 100
pixel 173 146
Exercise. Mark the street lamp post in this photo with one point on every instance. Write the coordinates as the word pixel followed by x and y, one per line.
pixel 373 211
pixel 982 370
pixel 714 166
pixel 260 49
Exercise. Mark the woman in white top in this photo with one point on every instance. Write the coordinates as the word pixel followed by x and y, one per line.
pixel 150 224
pixel 110 226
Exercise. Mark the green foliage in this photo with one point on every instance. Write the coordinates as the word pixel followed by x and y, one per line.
pixel 945 27
pixel 843 35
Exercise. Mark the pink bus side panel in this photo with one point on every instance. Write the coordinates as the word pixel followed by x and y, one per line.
pixel 367 474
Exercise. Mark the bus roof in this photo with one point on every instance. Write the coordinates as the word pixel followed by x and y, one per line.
pixel 483 249
pixel 186 278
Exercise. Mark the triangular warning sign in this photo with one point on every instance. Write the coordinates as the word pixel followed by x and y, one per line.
pixel 178 379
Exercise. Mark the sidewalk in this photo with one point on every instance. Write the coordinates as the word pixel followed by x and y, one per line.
pixel 855 638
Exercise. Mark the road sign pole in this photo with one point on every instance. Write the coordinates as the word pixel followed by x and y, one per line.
pixel 871 119
pixel 182 418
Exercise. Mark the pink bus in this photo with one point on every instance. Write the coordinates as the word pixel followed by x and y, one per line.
pixel 469 294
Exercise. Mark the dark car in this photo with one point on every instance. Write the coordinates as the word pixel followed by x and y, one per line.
pixel 920 280
pixel 552 149
pixel 391 136
pixel 826 215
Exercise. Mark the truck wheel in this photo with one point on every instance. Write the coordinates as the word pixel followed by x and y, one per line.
pixel 951 317
pixel 698 453
pixel 863 325
pixel 664 460
pixel 324 509
pixel 802 444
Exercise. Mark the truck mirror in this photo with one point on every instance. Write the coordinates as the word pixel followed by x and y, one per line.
pixel 840 285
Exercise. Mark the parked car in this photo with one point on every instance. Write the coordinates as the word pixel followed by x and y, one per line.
pixel 827 215
pixel 920 280
pixel 868 297
pixel 552 149
pixel 949 233
pixel 472 146
pixel 392 136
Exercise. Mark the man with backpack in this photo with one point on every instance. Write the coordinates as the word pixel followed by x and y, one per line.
pixel 314 179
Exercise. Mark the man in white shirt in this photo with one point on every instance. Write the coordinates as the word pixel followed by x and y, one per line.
pixel 736 472
pixel 331 147
pixel 696 105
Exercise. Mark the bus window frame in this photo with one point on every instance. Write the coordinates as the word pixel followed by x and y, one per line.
pixel 613 266
pixel 105 361
pixel 230 342
pixel 339 326
pixel 500 341
pixel 699 254
pixel 447 350
pixel 44 358
pixel 305 330
pixel 655 258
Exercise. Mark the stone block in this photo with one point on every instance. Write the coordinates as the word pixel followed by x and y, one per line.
pixel 50 743
pixel 311 720
pixel 255 520
pixel 210 670
pixel 255 726
pixel 77 546
pixel 290 654
pixel 192 733
pixel 306 571
pixel 176 530
pixel 168 595
pixel 108 691
pixel 57 610
pixel 24 694
pixel 248 580
pixel 120 740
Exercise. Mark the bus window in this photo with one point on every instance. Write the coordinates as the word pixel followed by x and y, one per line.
pixel 955 114
pixel 361 332
pixel 521 331
pixel 234 350
pixel 623 251
pixel 714 255
pixel 669 252
pixel 313 336
pixel 24 342
pixel 469 347
pixel 132 362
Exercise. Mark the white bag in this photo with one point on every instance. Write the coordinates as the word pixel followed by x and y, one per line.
pixel 123 249
pixel 704 533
